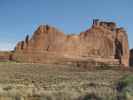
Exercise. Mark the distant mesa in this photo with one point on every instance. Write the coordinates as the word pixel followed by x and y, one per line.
pixel 104 42
pixel 5 56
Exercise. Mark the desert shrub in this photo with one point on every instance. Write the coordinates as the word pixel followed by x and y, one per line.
pixel 103 66
pixel 125 88
pixel 91 97
pixel 17 98
pixel 90 65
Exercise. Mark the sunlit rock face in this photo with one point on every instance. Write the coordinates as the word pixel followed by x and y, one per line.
pixel 48 45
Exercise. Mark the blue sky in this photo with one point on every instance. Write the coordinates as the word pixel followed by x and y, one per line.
pixel 21 17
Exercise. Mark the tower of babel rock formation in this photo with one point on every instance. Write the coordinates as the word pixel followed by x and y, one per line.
pixel 103 42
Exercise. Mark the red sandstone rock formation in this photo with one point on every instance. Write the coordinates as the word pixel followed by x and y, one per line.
pixel 102 41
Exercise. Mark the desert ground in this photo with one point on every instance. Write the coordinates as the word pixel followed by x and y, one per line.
pixel 57 82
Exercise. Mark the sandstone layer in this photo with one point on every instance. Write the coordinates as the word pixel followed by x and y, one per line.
pixel 103 42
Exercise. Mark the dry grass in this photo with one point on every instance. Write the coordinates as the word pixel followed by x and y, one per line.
pixel 59 82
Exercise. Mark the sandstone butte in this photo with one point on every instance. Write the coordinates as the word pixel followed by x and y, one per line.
pixel 103 42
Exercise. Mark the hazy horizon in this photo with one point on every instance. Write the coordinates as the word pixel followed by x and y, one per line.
pixel 21 17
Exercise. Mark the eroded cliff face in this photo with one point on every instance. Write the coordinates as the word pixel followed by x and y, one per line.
pixel 103 41
pixel 121 46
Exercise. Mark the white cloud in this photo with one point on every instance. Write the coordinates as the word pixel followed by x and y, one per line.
pixel 6 46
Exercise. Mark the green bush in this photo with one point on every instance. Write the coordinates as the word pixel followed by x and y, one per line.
pixel 125 88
